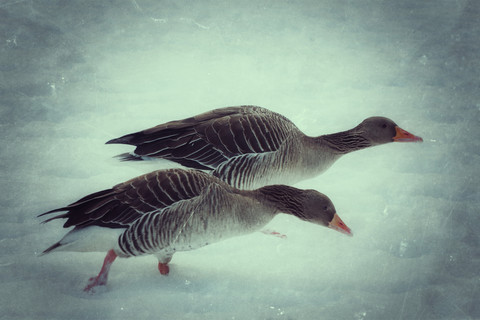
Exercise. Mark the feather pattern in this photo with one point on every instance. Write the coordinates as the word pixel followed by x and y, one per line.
pixel 209 139
pixel 125 203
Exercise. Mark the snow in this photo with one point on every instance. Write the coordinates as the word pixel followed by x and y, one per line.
pixel 76 74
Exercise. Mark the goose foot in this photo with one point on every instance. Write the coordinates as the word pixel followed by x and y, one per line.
pixel 102 277
pixel 274 233
pixel 163 268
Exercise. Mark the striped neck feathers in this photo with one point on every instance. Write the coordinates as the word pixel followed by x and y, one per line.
pixel 345 141
pixel 285 199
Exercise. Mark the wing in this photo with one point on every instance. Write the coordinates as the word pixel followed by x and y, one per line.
pixel 209 139
pixel 125 203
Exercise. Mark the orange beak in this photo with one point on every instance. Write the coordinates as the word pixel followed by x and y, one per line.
pixel 405 136
pixel 337 224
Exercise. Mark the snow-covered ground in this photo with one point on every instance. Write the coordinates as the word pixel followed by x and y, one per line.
pixel 74 74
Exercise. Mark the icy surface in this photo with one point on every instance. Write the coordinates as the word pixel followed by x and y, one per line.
pixel 75 74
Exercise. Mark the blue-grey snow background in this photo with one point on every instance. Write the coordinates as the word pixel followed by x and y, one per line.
pixel 74 74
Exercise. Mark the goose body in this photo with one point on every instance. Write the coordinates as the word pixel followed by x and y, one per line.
pixel 250 146
pixel 173 210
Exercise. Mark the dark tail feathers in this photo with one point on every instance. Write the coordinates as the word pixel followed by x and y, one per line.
pixel 126 139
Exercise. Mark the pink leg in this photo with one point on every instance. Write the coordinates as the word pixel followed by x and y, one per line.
pixel 163 268
pixel 102 277
pixel 274 233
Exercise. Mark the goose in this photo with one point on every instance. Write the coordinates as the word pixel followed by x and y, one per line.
pixel 250 146
pixel 172 210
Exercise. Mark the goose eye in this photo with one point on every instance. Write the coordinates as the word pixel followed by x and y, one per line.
pixel 384 126
pixel 325 208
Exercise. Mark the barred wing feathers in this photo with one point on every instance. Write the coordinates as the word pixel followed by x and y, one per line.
pixel 207 140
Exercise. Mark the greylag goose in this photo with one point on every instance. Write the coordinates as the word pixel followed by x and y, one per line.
pixel 249 146
pixel 173 210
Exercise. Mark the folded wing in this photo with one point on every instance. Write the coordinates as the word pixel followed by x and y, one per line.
pixel 125 203
pixel 207 140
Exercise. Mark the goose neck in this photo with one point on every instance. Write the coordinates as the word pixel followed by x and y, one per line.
pixel 282 198
pixel 345 141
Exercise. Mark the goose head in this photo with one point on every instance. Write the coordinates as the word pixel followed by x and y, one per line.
pixel 319 209
pixel 380 130
pixel 308 205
